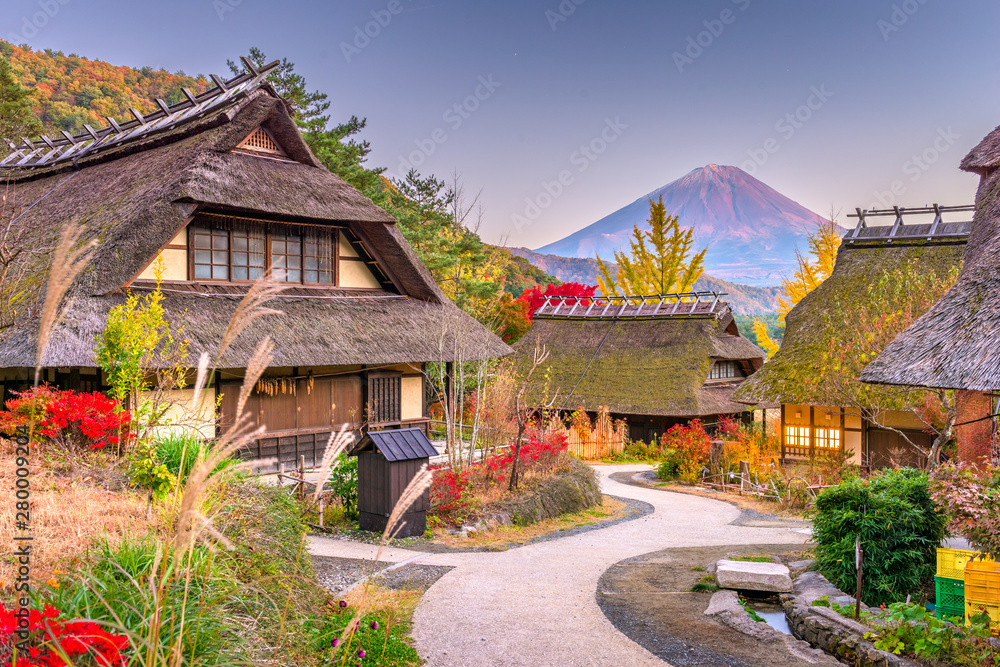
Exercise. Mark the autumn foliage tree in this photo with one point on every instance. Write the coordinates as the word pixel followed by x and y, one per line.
pixel 517 313
pixel 659 260
pixel 858 329
pixel 813 270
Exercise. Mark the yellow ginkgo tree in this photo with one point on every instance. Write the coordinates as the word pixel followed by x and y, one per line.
pixel 813 270
pixel 659 260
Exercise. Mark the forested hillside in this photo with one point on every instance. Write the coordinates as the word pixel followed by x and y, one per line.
pixel 68 91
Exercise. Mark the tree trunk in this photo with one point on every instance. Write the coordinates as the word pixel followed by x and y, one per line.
pixel 514 472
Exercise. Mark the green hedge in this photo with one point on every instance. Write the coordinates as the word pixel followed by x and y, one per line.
pixel 899 528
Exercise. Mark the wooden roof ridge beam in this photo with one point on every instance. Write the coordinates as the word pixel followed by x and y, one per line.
pixel 164 110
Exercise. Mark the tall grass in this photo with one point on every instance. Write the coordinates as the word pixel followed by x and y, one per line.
pixel 226 579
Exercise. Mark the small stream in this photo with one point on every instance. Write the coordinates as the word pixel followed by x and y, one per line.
pixel 772 613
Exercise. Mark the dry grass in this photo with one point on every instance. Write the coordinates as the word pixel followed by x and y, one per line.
pixel 68 511
pixel 396 603
pixel 507 536
pixel 743 502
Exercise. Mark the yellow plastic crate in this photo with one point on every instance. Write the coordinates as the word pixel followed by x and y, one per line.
pixel 951 562
pixel 982 582
pixel 973 608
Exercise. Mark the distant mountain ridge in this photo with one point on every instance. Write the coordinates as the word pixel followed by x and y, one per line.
pixel 751 230
pixel 744 299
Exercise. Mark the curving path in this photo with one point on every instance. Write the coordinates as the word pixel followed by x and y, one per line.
pixel 535 605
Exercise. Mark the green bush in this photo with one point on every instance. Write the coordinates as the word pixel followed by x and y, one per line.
pixel 899 527
pixel 670 467
pixel 118 587
pixel 344 483
pixel 180 451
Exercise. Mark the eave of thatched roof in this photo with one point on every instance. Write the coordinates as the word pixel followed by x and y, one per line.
pixel 324 328
pixel 651 367
pixel 791 375
pixel 130 201
pixel 956 344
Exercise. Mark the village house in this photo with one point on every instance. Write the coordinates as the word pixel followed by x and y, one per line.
pixel 814 418
pixel 956 344
pixel 652 361
pixel 222 188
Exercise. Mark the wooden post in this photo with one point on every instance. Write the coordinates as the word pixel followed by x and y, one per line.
pixel 281 472
pixel 302 476
pixel 321 511
pixel 859 556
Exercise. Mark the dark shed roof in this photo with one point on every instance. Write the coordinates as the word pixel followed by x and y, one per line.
pixel 406 444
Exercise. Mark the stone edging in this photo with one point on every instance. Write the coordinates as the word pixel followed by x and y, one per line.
pixel 824 628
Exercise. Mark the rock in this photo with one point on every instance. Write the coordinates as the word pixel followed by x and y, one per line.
pixel 801 564
pixel 724 601
pixel 748 576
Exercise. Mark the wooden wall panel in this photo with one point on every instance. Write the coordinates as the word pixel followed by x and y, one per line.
pixel 346 396
pixel 315 407
pixel 277 413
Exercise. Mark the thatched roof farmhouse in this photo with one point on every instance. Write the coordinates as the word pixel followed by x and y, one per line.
pixel 813 417
pixel 222 187
pixel 653 361
pixel 956 344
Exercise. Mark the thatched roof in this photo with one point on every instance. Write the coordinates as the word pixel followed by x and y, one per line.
pixel 643 367
pixel 956 344
pixel 790 376
pixel 132 199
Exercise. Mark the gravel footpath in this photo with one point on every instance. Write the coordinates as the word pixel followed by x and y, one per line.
pixel 536 605
pixel 337 574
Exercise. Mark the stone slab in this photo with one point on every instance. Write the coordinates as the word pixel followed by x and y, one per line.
pixel 749 576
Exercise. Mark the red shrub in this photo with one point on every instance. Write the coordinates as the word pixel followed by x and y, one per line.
pixel 535 296
pixel 449 490
pixel 691 444
pixel 454 495
pixel 90 419
pixel 86 643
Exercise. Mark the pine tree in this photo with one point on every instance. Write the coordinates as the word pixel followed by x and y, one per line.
pixel 823 246
pixel 17 119
pixel 666 267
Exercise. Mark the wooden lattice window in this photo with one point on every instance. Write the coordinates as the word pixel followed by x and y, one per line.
pixel 249 251
pixel 797 436
pixel 261 141
pixel 211 253
pixel 286 255
pixel 724 369
pixel 385 398
pixel 318 256
pixel 827 438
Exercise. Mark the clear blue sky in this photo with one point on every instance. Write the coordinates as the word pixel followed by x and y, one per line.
pixel 887 80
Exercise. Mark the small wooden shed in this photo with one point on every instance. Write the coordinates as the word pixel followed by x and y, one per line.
pixel 387 462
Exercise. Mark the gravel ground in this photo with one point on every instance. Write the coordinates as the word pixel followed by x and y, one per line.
pixel 647 598
pixel 536 605
pixel 634 510
pixel 337 574
pixel 748 517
